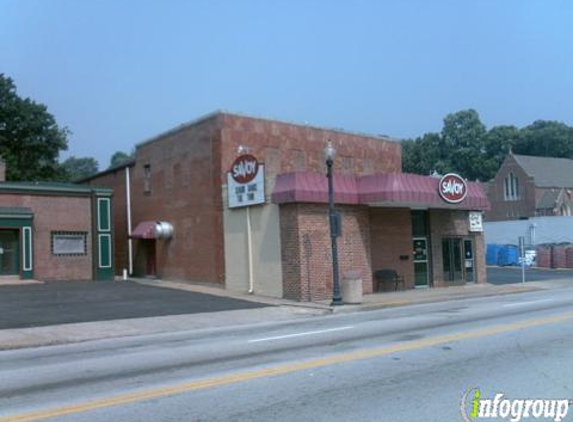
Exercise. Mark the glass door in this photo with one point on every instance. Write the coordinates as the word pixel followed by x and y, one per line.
pixel 9 257
pixel 420 262
pixel 452 259
pixel 458 260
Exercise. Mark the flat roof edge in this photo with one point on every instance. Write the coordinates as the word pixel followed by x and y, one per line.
pixel 180 127
pixel 81 189
pixel 220 112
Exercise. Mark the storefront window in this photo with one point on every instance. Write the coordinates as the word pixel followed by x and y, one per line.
pixel 419 223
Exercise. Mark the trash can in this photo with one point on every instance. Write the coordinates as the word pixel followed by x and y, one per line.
pixel 351 288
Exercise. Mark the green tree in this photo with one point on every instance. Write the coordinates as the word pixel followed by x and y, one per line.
pixel 463 137
pixel 547 139
pixel 30 138
pixel 79 168
pixel 119 157
pixel 499 140
pixel 424 155
pixel 464 146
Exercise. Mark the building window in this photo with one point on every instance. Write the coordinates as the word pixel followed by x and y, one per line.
pixel 69 243
pixel 511 188
pixel 147 178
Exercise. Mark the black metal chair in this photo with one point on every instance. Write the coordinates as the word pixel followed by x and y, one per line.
pixel 388 276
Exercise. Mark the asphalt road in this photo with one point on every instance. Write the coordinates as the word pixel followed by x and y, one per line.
pixel 35 305
pixel 399 364
pixel 511 275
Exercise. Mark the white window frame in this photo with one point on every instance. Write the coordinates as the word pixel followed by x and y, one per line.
pixel 510 188
pixel 100 255
pixel 27 249
pixel 82 235
pixel 108 211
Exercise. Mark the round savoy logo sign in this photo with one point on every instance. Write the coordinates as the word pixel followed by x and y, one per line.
pixel 453 188
pixel 244 168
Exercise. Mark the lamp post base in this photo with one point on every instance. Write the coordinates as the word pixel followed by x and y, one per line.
pixel 336 301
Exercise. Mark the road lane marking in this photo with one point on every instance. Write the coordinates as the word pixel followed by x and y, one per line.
pixel 280 370
pixel 509 305
pixel 308 333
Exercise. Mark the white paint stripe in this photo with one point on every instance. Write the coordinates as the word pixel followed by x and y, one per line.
pixel 509 305
pixel 308 333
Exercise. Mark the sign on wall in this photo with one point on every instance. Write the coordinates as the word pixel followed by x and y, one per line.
pixel 246 182
pixel 453 188
pixel 476 221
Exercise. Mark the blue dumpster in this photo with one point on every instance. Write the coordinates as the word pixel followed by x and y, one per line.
pixel 508 255
pixel 492 254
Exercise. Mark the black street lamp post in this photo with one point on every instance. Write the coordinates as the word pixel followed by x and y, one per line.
pixel 334 225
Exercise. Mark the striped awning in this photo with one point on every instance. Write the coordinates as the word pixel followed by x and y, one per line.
pixel 378 190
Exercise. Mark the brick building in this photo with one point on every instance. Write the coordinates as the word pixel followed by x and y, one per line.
pixel 527 186
pixel 52 231
pixel 282 247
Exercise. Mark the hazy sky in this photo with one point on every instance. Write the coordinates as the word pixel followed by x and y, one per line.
pixel 118 72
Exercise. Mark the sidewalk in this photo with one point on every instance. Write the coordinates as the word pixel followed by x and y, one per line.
pixel 376 300
pixel 283 311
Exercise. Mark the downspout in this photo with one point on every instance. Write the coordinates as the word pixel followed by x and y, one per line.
pixel 250 252
pixel 128 210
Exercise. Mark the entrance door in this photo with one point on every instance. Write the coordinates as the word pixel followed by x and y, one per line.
pixel 9 256
pixel 150 270
pixel 420 262
pixel 469 260
pixel 457 255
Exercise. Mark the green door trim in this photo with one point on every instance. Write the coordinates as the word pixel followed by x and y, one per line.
pixel 23 222
pixel 10 241
pixel 422 260
pixel 27 251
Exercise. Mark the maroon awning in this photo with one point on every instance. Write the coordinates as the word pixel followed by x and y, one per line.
pixel 390 190
pixel 144 230
pixel 313 187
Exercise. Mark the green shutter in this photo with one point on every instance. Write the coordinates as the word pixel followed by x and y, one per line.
pixel 103 210
pixel 105 251
pixel 103 240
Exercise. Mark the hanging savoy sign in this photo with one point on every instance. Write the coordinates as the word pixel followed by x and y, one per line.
pixel 244 168
pixel 246 182
pixel 453 188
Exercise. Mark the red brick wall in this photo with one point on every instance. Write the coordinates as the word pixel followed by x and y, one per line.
pixel 285 147
pixel 391 237
pixel 306 249
pixel 56 213
pixel 186 191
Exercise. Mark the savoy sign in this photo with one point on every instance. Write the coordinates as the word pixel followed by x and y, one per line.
pixel 453 188
pixel 246 182
pixel 244 168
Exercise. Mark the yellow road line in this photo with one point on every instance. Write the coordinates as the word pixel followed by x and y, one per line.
pixel 279 370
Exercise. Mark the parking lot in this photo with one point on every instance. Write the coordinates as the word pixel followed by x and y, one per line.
pixel 510 275
pixel 36 305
